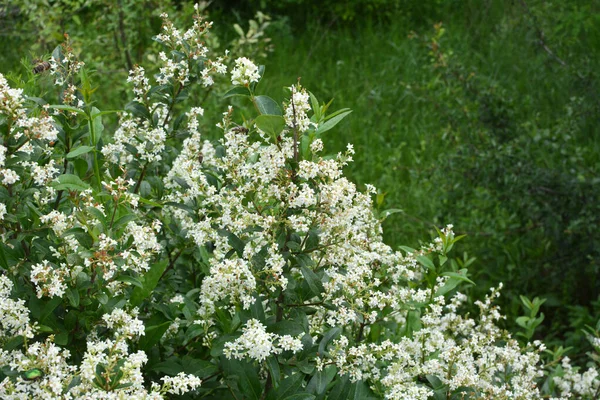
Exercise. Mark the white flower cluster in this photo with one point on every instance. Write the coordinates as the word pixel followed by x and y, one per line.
pixel 107 371
pixel 258 344
pixel 244 72
pixel 124 324
pixel 228 279
pixel 49 364
pixel 136 133
pixel 24 133
pixel 14 314
pixel 48 281
pixel 573 384
pixel 296 112
pixel 141 84
pixel 460 352
pixel 192 44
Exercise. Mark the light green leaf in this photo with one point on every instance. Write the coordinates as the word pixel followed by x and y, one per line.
pixel 461 275
pixel 270 124
pixel 68 108
pixel 386 213
pixel 70 182
pixel 426 261
pixel 79 151
pixel 330 123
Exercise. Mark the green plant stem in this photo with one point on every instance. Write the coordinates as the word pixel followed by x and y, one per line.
pixel 93 144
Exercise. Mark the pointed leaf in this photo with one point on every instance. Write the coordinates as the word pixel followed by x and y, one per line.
pixel 267 106
pixel 330 123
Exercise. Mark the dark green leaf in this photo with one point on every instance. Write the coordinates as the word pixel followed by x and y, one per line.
pixel 247 374
pixel 151 279
pixel 153 334
pixel 318 383
pixel 237 91
pixel 267 106
pixel 290 386
pixel 313 280
pixel 138 110
pixel 274 371
pixel 328 337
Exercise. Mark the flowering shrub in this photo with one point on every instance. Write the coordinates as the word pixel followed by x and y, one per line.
pixel 150 262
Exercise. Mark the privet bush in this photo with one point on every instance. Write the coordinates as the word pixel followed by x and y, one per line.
pixel 150 263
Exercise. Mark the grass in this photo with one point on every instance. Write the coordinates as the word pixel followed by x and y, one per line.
pixel 420 131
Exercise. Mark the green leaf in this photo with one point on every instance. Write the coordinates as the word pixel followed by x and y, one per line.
pixel 62 338
pixel 237 91
pixel 248 379
pixel 42 308
pixel 386 213
pixel 3 260
pixel 274 371
pixel 328 337
pixel 68 108
pixel 70 182
pixel 460 275
pixel 289 387
pixel 97 124
pixel 130 279
pixel 448 286
pixel 73 296
pixel 341 389
pixel 315 106
pixel 138 110
pixel 152 335
pixel 100 113
pixel 124 220
pixel 151 279
pixel 360 391
pixel 236 243
pixel 79 151
pixel 313 280
pixel 426 261
pixel 270 124
pixel 413 322
pixel 330 123
pixel 408 250
pixel 321 379
pixel 267 106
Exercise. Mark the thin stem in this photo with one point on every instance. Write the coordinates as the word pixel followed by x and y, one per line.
pixel 295 128
pixel 139 182
pixel 317 303
pixel 172 104
pixel 124 37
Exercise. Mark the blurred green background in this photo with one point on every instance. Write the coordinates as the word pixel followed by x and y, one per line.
pixel 483 114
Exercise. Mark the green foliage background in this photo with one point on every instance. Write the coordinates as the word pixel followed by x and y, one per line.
pixel 484 114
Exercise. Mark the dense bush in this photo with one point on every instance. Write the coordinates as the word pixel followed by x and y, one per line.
pixel 138 262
